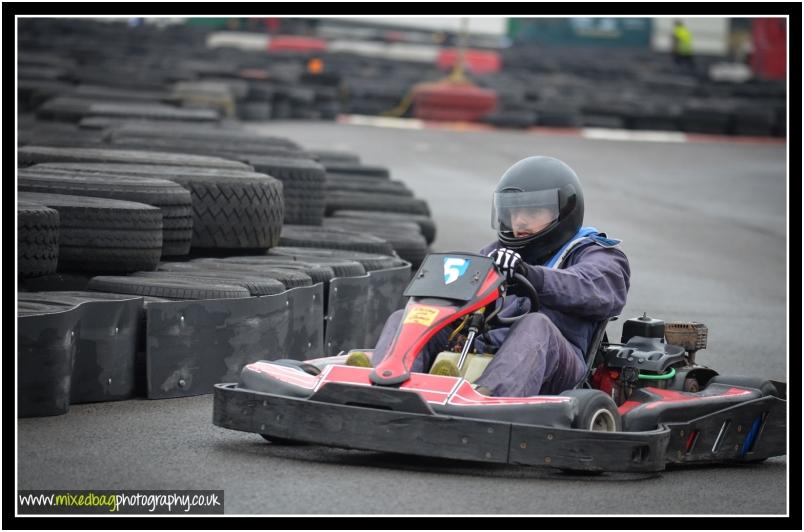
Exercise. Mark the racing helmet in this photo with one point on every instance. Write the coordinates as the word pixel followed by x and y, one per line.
pixel 544 185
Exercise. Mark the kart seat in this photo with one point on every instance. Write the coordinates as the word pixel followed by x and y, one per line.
pixel 598 338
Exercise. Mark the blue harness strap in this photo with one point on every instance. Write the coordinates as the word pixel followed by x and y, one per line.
pixel 584 234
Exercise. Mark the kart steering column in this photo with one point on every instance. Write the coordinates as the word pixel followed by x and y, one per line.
pixel 475 321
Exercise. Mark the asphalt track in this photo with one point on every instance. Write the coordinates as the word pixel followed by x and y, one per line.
pixel 704 225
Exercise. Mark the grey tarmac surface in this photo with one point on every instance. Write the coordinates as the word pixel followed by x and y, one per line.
pixel 704 226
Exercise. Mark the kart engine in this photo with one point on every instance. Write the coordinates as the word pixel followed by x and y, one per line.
pixel 644 358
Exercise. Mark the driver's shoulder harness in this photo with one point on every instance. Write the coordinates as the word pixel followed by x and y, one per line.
pixel 584 234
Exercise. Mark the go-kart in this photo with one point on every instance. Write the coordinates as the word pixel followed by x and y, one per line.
pixel 644 403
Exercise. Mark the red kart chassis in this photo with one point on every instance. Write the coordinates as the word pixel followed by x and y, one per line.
pixel 391 409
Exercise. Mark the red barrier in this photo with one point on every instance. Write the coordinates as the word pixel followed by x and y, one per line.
pixel 293 43
pixel 447 100
pixel 476 61
pixel 769 60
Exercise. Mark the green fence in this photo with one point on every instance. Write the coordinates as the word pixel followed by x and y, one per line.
pixel 582 31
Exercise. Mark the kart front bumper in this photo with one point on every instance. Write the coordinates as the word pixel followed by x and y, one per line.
pixel 401 422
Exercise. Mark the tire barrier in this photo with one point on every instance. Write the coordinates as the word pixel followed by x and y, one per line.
pixel 357 170
pixel 37 239
pixel 369 261
pixel 231 209
pixel 81 71
pixel 426 224
pixel 85 346
pixel 331 157
pixel 318 273
pixel 302 185
pixel 257 285
pixel 30 155
pixel 214 147
pixel 366 201
pixel 320 237
pixel 404 236
pixel 102 234
pixel 171 288
pixel 76 347
pixel 288 277
pixel 224 137
pixel 173 201
pixel 124 163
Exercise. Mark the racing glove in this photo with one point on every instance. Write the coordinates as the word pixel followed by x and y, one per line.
pixel 508 262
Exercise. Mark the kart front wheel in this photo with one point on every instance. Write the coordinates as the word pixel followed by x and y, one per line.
pixel 595 411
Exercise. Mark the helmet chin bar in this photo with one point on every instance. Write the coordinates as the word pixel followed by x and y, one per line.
pixel 508 238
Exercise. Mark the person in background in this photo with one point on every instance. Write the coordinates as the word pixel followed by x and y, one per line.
pixel 682 46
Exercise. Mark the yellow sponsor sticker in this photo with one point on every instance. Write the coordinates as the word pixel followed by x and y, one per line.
pixel 422 316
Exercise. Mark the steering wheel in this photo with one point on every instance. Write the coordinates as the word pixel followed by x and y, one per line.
pixel 532 296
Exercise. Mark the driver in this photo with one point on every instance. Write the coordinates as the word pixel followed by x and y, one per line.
pixel 581 277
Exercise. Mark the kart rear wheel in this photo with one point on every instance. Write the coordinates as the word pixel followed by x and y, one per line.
pixel 596 411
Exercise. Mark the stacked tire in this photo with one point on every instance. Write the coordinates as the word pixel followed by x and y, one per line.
pixel 173 201
pixel 230 209
pixel 100 234
pixel 37 239
pixel 364 200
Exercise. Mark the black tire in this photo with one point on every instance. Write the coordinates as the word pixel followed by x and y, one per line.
pixel 358 185
pixel 58 134
pixel 56 282
pixel 387 226
pixel 369 261
pixel 516 118
pixel 331 157
pixel 151 111
pixel 231 209
pixel 339 267
pixel 64 109
pixel 426 224
pixel 173 200
pixel 289 278
pixel 405 237
pixel 302 185
pixel 257 286
pixel 32 93
pixel 30 155
pixel 231 150
pixel 320 237
pixel 226 136
pixel 318 273
pixel 758 383
pixel 357 201
pixel 37 239
pixel 358 169
pixel 179 289
pixel 248 111
pixel 100 93
pixel 235 212
pixel 595 411
pixel 104 235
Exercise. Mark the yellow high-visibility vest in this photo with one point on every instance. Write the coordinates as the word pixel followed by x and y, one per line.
pixel 684 38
